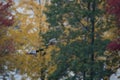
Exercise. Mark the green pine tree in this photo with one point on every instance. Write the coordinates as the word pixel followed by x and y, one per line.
pixel 83 44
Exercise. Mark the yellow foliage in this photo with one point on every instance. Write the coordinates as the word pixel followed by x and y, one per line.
pixel 30 24
pixel 110 34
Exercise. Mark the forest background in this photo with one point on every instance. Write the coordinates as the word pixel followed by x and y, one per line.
pixel 59 39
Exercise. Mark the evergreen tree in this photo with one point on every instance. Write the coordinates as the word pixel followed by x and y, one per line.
pixel 80 25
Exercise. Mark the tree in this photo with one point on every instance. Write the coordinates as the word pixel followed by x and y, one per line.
pixel 27 33
pixel 113 7
pixel 6 18
pixel 113 47
pixel 30 22
pixel 81 23
pixel 6 21
pixel 113 12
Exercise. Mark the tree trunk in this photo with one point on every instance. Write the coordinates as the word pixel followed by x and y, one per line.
pixel 92 18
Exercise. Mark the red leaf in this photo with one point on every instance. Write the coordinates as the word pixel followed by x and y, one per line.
pixel 113 7
pixel 114 45
pixel 6 17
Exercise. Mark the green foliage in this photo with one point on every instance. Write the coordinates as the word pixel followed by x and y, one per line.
pixel 76 53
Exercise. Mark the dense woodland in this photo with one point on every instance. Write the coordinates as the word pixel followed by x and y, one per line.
pixel 60 39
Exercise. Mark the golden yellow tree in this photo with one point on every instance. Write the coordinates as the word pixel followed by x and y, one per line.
pixel 27 33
